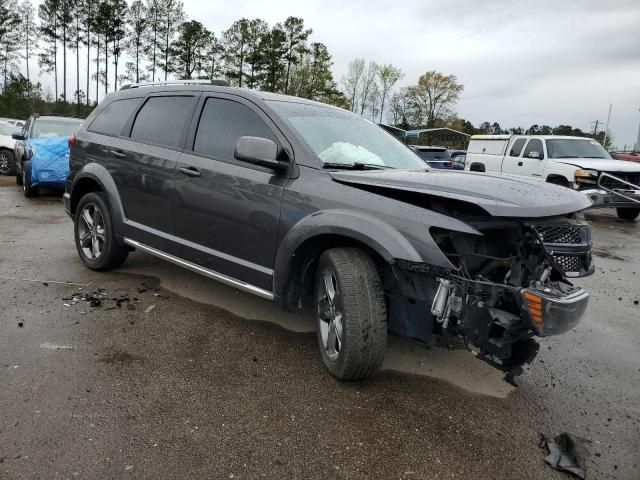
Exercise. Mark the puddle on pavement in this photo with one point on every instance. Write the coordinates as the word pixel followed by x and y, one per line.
pixel 457 366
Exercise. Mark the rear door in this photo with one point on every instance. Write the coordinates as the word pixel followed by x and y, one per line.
pixel 143 163
pixel 227 211
pixel 512 162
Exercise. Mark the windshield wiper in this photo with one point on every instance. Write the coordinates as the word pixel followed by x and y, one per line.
pixel 356 166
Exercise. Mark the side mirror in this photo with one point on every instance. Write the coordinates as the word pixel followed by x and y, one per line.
pixel 259 151
pixel 17 136
pixel 535 154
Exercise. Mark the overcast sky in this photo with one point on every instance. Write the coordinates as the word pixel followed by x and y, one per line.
pixel 521 62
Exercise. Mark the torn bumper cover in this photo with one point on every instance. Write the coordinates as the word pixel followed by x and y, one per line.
pixel 510 285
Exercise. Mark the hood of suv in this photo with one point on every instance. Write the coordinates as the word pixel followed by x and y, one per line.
pixel 601 164
pixel 500 195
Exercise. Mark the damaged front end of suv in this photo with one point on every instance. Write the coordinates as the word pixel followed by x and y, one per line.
pixel 509 283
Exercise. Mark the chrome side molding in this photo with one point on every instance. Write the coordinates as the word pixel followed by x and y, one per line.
pixel 240 285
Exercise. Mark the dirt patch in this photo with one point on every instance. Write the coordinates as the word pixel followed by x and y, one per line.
pixel 117 355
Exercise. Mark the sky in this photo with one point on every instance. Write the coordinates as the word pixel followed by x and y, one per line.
pixel 521 62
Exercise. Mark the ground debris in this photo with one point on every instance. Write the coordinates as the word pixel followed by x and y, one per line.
pixel 566 452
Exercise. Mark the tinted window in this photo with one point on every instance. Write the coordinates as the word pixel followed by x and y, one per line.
pixel 222 123
pixel 534 145
pixel 433 155
pixel 162 120
pixel 113 117
pixel 516 147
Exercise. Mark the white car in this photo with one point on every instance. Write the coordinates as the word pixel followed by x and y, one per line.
pixel 12 121
pixel 574 162
pixel 7 145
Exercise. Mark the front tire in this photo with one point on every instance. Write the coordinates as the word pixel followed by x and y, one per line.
pixel 27 189
pixel 7 163
pixel 351 318
pixel 95 236
pixel 629 214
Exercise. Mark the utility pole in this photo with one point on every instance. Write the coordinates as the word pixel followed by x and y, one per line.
pixel 595 128
pixel 606 130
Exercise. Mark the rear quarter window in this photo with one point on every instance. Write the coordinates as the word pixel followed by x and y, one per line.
pixel 114 116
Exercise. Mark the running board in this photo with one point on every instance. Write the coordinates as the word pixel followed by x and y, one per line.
pixel 232 282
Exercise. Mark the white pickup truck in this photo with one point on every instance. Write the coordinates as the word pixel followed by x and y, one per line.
pixel 573 162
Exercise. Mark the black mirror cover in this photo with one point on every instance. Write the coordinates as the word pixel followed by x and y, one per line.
pixel 259 151
pixel 17 136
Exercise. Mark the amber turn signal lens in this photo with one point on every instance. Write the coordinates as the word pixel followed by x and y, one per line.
pixel 534 303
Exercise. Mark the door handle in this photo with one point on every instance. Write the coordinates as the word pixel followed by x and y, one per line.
pixel 519 164
pixel 191 171
pixel 117 153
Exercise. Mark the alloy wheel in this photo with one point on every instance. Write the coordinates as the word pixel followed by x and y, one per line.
pixel 330 315
pixel 91 231
pixel 5 163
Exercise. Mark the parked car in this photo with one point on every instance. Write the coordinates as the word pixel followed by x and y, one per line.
pixel 347 213
pixel 12 121
pixel 7 146
pixel 630 156
pixel 436 157
pixel 47 138
pixel 575 162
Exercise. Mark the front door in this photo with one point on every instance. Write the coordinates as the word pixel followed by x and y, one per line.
pixel 529 163
pixel 227 211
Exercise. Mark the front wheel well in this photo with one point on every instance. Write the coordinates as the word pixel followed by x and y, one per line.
pixel 304 261
pixel 558 180
pixel 477 167
pixel 80 189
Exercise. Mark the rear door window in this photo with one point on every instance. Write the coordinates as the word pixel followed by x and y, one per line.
pixel 222 123
pixel 516 147
pixel 113 117
pixel 164 120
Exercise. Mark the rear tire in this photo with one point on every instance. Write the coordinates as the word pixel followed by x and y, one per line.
pixel 629 214
pixel 351 318
pixel 94 234
pixel 7 163
pixel 27 189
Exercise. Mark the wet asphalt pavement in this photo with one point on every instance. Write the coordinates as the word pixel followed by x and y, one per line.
pixel 199 381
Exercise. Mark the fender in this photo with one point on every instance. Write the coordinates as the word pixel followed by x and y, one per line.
pixel 384 239
pixel 560 169
pixel 102 177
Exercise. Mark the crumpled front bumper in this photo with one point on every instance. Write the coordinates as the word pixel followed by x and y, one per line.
pixel 552 314
pixel 612 191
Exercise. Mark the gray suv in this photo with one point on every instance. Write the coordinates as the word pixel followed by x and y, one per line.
pixel 296 201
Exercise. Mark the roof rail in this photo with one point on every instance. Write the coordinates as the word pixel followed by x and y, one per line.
pixel 220 83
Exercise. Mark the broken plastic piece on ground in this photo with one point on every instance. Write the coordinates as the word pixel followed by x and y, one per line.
pixel 566 452
pixel 149 308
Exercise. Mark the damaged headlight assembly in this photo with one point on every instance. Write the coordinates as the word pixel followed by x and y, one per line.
pixel 510 284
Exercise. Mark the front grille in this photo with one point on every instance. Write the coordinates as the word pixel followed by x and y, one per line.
pixel 569 247
pixel 613 184
pixel 559 233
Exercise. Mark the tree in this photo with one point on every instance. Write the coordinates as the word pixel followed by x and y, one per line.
pixel 273 51
pixel 77 37
pixel 153 34
pixel 256 32
pixel 102 29
pixel 137 22
pixel 88 9
pixel 9 37
pixel 172 15
pixel 399 109
pixel 30 31
pixel 368 80
pixel 295 38
pixel 48 57
pixel 118 9
pixel 214 54
pixel 351 81
pixel 235 40
pixel 434 97
pixel 388 76
pixel 65 14
pixel 188 51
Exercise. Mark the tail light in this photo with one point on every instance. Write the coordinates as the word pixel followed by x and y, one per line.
pixel 72 140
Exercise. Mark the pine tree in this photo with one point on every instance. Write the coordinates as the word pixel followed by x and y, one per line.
pixel 214 56
pixel 87 14
pixel 65 15
pixel 188 51
pixel 137 21
pixel 235 40
pixel 257 30
pixel 172 16
pixel 9 37
pixel 274 50
pixel 29 29
pixel 117 32
pixel 295 38
pixel 153 35
pixel 48 57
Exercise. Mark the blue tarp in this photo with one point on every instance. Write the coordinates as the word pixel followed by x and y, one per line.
pixel 50 161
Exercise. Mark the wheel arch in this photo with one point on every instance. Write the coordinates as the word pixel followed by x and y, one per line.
pixel 301 247
pixel 96 178
pixel 558 179
pixel 477 167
